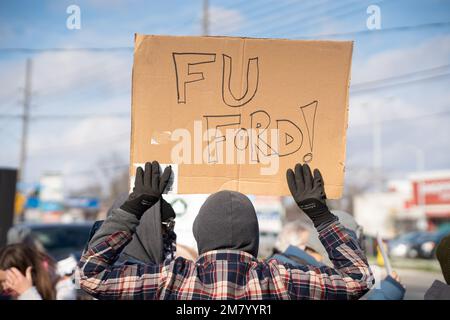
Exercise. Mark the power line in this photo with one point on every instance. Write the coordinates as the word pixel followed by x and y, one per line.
pixel 383 30
pixel 11 116
pixel 307 20
pixel 80 116
pixel 351 33
pixel 245 4
pixel 92 77
pixel 268 13
pixel 110 49
pixel 268 17
pixel 92 142
pixel 399 77
pixel 59 49
pixel 443 113
pixel 68 116
pixel 399 84
pixel 323 19
pixel 263 9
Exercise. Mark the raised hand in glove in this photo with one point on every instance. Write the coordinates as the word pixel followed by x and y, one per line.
pixel 309 194
pixel 148 187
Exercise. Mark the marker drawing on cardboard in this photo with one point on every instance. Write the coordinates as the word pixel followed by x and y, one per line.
pixel 235 113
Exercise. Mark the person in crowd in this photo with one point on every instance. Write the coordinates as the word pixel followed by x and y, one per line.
pixel 27 275
pixel 391 288
pixel 227 234
pixel 291 246
pixel 3 295
pixel 298 244
pixel 30 274
pixel 440 290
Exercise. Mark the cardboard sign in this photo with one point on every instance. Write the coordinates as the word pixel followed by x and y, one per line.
pixel 235 113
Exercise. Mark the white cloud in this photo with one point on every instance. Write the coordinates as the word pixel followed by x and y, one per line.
pixel 223 20
pixel 79 147
pixel 429 54
pixel 399 138
pixel 60 74
pixel 400 102
pixel 57 73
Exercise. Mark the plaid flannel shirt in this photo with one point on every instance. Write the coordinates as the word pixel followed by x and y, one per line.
pixel 226 274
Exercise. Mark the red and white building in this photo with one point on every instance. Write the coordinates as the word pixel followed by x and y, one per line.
pixel 420 202
pixel 431 191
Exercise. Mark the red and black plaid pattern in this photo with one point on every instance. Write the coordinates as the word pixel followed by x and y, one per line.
pixel 227 274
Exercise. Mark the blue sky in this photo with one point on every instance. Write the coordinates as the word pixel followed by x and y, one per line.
pixel 99 82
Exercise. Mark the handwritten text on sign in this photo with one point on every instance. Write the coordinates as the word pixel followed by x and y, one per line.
pixel 265 139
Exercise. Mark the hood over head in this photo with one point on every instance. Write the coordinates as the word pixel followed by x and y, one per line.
pixel 227 220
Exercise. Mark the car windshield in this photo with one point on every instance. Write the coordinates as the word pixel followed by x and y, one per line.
pixel 408 236
pixel 442 234
pixel 62 241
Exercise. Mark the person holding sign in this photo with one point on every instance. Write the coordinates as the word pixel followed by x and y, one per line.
pixel 227 234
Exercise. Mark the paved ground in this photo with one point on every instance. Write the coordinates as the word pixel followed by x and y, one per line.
pixel 416 281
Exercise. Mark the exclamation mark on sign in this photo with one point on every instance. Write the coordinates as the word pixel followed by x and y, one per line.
pixel 309 115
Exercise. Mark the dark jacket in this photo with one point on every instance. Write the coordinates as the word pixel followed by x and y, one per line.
pixel 438 291
pixel 149 244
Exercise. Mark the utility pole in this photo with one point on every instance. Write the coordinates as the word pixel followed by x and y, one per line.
pixel 25 119
pixel 376 146
pixel 377 150
pixel 377 154
pixel 205 21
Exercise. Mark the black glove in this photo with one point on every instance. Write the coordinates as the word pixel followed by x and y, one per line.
pixel 148 187
pixel 309 194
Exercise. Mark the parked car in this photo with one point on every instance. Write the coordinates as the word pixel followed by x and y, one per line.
pixel 403 245
pixel 426 245
pixel 59 240
pixel 418 244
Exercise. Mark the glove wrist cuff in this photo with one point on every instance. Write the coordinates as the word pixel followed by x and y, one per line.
pixel 317 211
pixel 324 219
pixel 139 205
